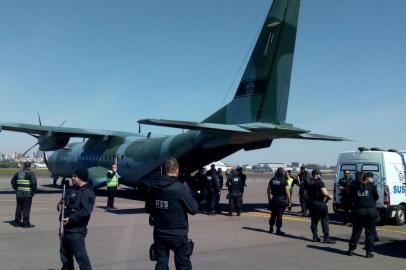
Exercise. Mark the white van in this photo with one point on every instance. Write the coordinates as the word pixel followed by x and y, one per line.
pixel 389 169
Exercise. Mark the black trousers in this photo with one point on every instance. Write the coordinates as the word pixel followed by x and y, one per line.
pixel 179 247
pixel 217 202
pixel 234 203
pixel 363 218
pixel 278 206
pixel 73 245
pixel 111 193
pixel 303 202
pixel 346 208
pixel 211 200
pixel 23 208
pixel 319 212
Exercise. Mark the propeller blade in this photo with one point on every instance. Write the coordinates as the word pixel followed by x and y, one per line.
pixel 39 119
pixel 63 123
pixel 45 158
pixel 139 128
pixel 29 149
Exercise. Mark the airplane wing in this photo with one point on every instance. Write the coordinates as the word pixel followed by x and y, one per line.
pixel 69 132
pixel 264 130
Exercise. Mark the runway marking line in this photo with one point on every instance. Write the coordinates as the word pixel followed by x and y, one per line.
pixel 101 203
pixel 290 218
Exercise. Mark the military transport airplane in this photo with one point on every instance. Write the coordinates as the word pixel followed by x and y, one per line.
pixel 252 120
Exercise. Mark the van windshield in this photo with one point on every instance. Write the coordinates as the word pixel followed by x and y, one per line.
pixel 349 167
pixel 370 168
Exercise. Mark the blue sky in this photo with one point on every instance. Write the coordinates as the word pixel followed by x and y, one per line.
pixel 106 64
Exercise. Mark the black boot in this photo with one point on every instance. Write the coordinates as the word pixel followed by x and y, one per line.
pixel 270 230
pixel 369 254
pixel 350 252
pixel 328 240
pixel 316 238
pixel 279 232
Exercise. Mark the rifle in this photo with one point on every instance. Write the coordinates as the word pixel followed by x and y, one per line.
pixel 62 205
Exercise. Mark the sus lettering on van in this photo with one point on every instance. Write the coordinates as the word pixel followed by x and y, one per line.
pixel 399 189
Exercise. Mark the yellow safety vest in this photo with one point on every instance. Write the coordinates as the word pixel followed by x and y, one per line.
pixel 113 182
pixel 290 181
pixel 24 185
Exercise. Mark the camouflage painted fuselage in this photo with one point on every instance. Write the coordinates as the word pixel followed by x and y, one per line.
pixel 137 157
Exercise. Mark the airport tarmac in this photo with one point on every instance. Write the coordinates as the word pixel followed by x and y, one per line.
pixel 120 239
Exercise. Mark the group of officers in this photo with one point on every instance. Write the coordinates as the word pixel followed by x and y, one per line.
pixel 206 187
pixel 169 201
pixel 358 198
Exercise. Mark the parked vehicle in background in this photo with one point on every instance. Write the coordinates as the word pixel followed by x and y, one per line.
pixel 389 169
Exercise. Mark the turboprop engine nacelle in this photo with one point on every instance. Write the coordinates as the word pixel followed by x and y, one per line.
pixel 52 142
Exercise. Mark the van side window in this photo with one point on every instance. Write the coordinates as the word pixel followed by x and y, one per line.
pixel 349 167
pixel 370 168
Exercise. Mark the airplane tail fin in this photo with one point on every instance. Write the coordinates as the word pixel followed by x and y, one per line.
pixel 257 114
pixel 262 95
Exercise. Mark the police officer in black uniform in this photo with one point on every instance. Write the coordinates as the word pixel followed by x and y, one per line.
pixel 301 180
pixel 220 176
pixel 243 178
pixel 363 196
pixel 168 203
pixel 279 188
pixel 201 192
pixel 235 188
pixel 213 190
pixel 79 203
pixel 316 192
pixel 344 185
pixel 24 183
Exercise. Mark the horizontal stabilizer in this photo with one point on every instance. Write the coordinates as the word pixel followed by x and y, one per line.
pixel 318 137
pixel 194 125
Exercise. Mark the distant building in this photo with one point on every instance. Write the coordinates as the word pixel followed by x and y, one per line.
pixel 267 167
pixel 296 166
pixel 218 164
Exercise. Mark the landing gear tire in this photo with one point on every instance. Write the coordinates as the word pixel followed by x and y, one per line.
pixel 400 215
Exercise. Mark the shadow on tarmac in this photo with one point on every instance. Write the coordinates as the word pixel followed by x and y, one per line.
pixel 127 193
pixel 254 207
pixel 124 211
pixel 394 248
pixel 286 234
pixel 331 250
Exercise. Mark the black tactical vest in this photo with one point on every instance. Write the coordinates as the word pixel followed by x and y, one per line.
pixel 363 196
pixel 234 185
pixel 313 188
pixel 168 211
pixel 278 187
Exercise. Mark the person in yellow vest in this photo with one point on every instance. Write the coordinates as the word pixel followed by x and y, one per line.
pixel 289 179
pixel 24 183
pixel 112 183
